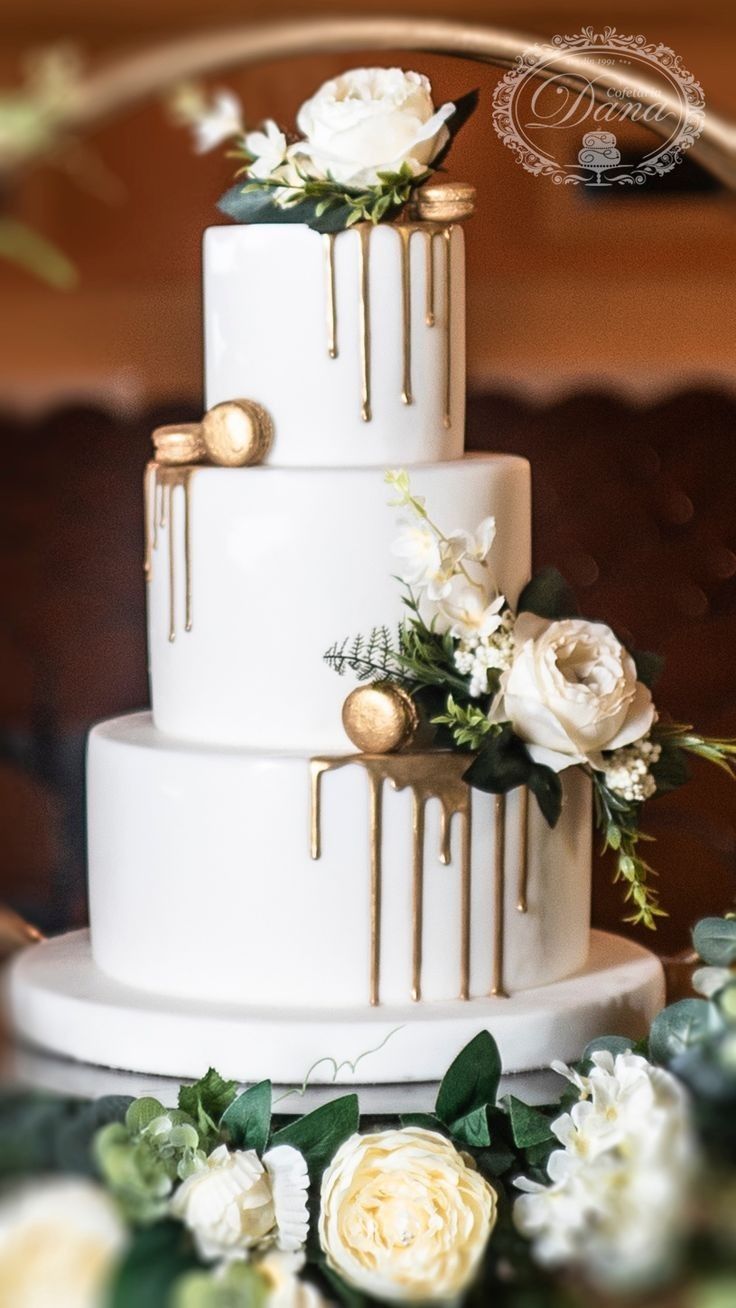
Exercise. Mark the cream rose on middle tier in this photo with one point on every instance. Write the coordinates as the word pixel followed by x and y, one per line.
pixel 572 692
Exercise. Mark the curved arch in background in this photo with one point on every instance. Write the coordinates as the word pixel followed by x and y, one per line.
pixel 113 89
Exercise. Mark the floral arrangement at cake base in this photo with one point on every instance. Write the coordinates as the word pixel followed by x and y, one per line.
pixel 622 1189
pixel 527 691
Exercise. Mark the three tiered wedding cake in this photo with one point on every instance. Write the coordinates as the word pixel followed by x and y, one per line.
pixel 261 896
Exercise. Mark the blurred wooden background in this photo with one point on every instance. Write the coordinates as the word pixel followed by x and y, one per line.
pixel 600 344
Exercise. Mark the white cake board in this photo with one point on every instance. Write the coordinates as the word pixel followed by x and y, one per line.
pixel 60 1002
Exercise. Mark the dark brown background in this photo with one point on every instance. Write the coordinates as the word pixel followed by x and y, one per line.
pixel 600 344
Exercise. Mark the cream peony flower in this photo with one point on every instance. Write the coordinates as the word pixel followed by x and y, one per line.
pixel 372 120
pixel 235 1202
pixel 572 692
pixel 285 1287
pixel 404 1216
pixel 620 1185
pixel 59 1241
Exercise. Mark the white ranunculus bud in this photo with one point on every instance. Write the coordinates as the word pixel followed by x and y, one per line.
pixel 372 120
pixel 235 1202
pixel 572 692
pixel 404 1216
pixel 59 1241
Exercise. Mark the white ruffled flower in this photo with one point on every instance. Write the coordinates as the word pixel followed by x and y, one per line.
pixel 620 1186
pixel 627 771
pixel 572 692
pixel 221 121
pixel 285 1287
pixel 235 1202
pixel 404 1216
pixel 59 1242
pixel 373 120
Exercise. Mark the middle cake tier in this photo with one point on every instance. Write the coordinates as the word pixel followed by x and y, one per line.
pixel 255 572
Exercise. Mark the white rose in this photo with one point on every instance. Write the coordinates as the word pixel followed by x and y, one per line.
pixel 59 1241
pixel 572 691
pixel 235 1202
pixel 404 1216
pixel 372 120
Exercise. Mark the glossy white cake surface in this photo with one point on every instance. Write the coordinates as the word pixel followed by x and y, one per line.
pixel 266 339
pixel 201 882
pixel 283 563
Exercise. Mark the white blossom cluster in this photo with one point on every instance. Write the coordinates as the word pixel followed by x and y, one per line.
pixel 628 773
pixel 476 657
pixel 620 1184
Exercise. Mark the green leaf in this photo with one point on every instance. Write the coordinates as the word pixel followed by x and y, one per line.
pixel 426 1121
pixel 465 107
pixel 238 1285
pixel 677 1028
pixel 671 769
pixel 26 248
pixel 248 1119
pixel 318 1135
pixel 207 1099
pixel 504 763
pixel 549 596
pixel 156 1258
pixel 714 939
pixel 473 1129
pixel 649 666
pixel 528 1126
pixel 613 1044
pixel 471 1081
pixel 141 1113
pixel 74 1141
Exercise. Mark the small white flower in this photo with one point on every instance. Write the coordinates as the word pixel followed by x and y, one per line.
pixel 619 1188
pixel 235 1202
pixel 268 147
pixel 220 122
pixel 627 770
pixel 59 1242
pixel 428 561
pixel 467 612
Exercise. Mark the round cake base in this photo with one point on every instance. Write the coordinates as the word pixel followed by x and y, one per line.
pixel 61 1002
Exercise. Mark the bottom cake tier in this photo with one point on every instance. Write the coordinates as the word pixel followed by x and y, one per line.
pixel 60 1001
pixel 235 878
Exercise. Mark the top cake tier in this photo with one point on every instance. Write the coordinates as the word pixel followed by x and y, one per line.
pixel 354 343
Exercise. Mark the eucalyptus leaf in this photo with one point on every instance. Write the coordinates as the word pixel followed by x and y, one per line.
pixel 141 1113
pixel 156 1258
pixel 549 596
pixel 319 1135
pixel 248 1118
pixel 471 1081
pixel 714 939
pixel 677 1028
pixel 611 1044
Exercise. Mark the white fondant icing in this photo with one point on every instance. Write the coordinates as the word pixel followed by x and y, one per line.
pixel 266 339
pixel 61 1000
pixel 286 561
pixel 201 882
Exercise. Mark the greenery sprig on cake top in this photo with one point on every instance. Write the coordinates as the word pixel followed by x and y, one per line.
pixel 624 1184
pixel 365 141
pixel 528 691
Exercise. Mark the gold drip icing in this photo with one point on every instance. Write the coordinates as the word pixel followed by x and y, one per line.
pixel 405 232
pixel 523 900
pixel 405 235
pixel 364 236
pixel 499 886
pixel 447 245
pixel 161 481
pixel 328 246
pixel 428 776
pixel 429 317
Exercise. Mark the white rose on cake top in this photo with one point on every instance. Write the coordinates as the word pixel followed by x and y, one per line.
pixel 373 120
pixel 235 1202
pixel 572 692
